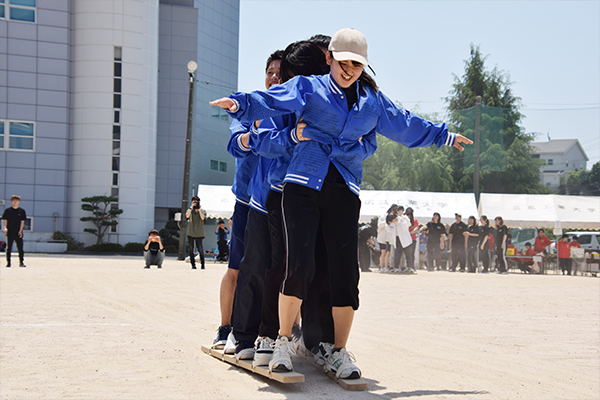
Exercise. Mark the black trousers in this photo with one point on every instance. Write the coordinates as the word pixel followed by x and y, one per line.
pixel 485 257
pixel 223 250
pixel 458 256
pixel 9 242
pixel 472 257
pixel 198 242
pixel 434 255
pixel 248 298
pixel 501 259
pixel 336 210
pixel 409 253
pixel 565 265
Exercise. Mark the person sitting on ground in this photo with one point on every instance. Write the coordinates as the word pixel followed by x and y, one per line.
pixel 154 252
pixel 526 264
pixel 222 233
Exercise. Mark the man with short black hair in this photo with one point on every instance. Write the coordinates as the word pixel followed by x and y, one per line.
pixel 14 220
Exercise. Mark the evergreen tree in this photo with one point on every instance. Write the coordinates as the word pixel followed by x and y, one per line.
pixel 506 165
pixel 102 217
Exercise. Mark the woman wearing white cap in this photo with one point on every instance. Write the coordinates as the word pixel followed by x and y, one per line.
pixel 341 113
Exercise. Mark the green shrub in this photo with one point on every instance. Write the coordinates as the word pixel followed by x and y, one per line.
pixel 171 249
pixel 72 244
pixel 133 247
pixel 106 247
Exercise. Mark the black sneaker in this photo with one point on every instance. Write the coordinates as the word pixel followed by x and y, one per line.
pixel 194 267
pixel 159 267
pixel 8 265
pixel 244 350
pixel 222 333
pixel 202 267
pixel 147 267
pixel 22 265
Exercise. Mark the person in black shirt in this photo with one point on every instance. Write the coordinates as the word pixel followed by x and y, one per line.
pixel 484 244
pixel 435 230
pixel 14 220
pixel 501 239
pixel 154 252
pixel 458 243
pixel 472 236
pixel 221 233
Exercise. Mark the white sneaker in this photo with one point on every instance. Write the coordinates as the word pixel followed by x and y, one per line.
pixel 282 355
pixel 230 345
pixel 342 363
pixel 298 341
pixel 322 354
pixel 264 351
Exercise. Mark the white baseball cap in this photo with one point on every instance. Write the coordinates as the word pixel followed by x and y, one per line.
pixel 349 44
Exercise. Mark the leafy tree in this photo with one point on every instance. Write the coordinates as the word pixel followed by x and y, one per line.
pixel 505 159
pixel 102 217
pixel 169 233
pixel 582 182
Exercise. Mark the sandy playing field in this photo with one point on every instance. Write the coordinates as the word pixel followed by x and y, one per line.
pixel 78 327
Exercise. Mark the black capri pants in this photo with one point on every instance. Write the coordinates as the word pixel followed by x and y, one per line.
pixel 336 209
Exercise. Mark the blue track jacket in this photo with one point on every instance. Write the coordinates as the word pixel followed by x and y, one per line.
pixel 334 130
pixel 245 162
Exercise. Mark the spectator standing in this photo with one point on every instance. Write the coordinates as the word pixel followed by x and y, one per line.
pixel 414 230
pixel 384 245
pixel 222 233
pixel 195 230
pixel 14 221
pixel 403 245
pixel 458 243
pixel 436 234
pixel 154 252
pixel 472 237
pixel 564 254
pixel 484 244
pixel 501 238
pixel 365 233
pixel 541 242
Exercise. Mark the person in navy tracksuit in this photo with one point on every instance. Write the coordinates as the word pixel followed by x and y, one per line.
pixel 246 162
pixel 340 112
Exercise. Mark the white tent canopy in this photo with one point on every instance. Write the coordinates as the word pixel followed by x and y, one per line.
pixel 218 201
pixel 542 210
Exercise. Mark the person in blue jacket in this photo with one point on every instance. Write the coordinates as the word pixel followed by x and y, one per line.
pixel 339 111
pixel 246 162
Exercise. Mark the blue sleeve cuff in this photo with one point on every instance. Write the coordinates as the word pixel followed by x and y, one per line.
pixel 241 144
pixel 294 136
pixel 451 139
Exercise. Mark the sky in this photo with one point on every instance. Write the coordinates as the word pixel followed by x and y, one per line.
pixel 550 49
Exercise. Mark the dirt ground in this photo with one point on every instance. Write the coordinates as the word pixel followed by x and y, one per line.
pixel 78 327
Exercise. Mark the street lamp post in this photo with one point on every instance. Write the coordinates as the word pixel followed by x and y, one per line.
pixel 192 67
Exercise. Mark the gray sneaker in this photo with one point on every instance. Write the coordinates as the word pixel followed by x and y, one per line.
pixel 263 351
pixel 342 364
pixel 282 355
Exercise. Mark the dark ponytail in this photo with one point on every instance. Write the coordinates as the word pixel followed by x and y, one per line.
pixel 367 80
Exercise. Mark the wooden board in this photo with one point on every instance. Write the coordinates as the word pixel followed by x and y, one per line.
pixel 283 377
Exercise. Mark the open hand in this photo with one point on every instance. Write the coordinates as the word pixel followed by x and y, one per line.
pixel 461 139
pixel 225 103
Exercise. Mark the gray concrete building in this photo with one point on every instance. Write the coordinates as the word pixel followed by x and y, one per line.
pixel 93 101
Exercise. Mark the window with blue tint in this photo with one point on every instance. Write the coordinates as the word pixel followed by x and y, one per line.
pixel 20 136
pixel 2 11
pixel 26 3
pixel 222 166
pixel 214 165
pixel 22 14
pixel 1 134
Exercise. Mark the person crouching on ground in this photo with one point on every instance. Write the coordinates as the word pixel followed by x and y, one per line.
pixel 222 233
pixel 154 251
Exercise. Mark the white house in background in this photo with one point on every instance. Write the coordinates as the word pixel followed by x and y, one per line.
pixel 561 156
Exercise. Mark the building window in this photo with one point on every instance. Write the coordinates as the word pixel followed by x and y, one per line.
pixel 117 100
pixel 114 192
pixel 17 135
pixel 18 10
pixel 550 161
pixel 115 179
pixel 117 117
pixel 115 164
pixel 28 224
pixel 535 156
pixel 116 132
pixel 216 165
pixel 116 148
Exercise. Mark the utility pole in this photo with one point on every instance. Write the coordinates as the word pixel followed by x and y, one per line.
pixel 477 141
pixel 192 66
